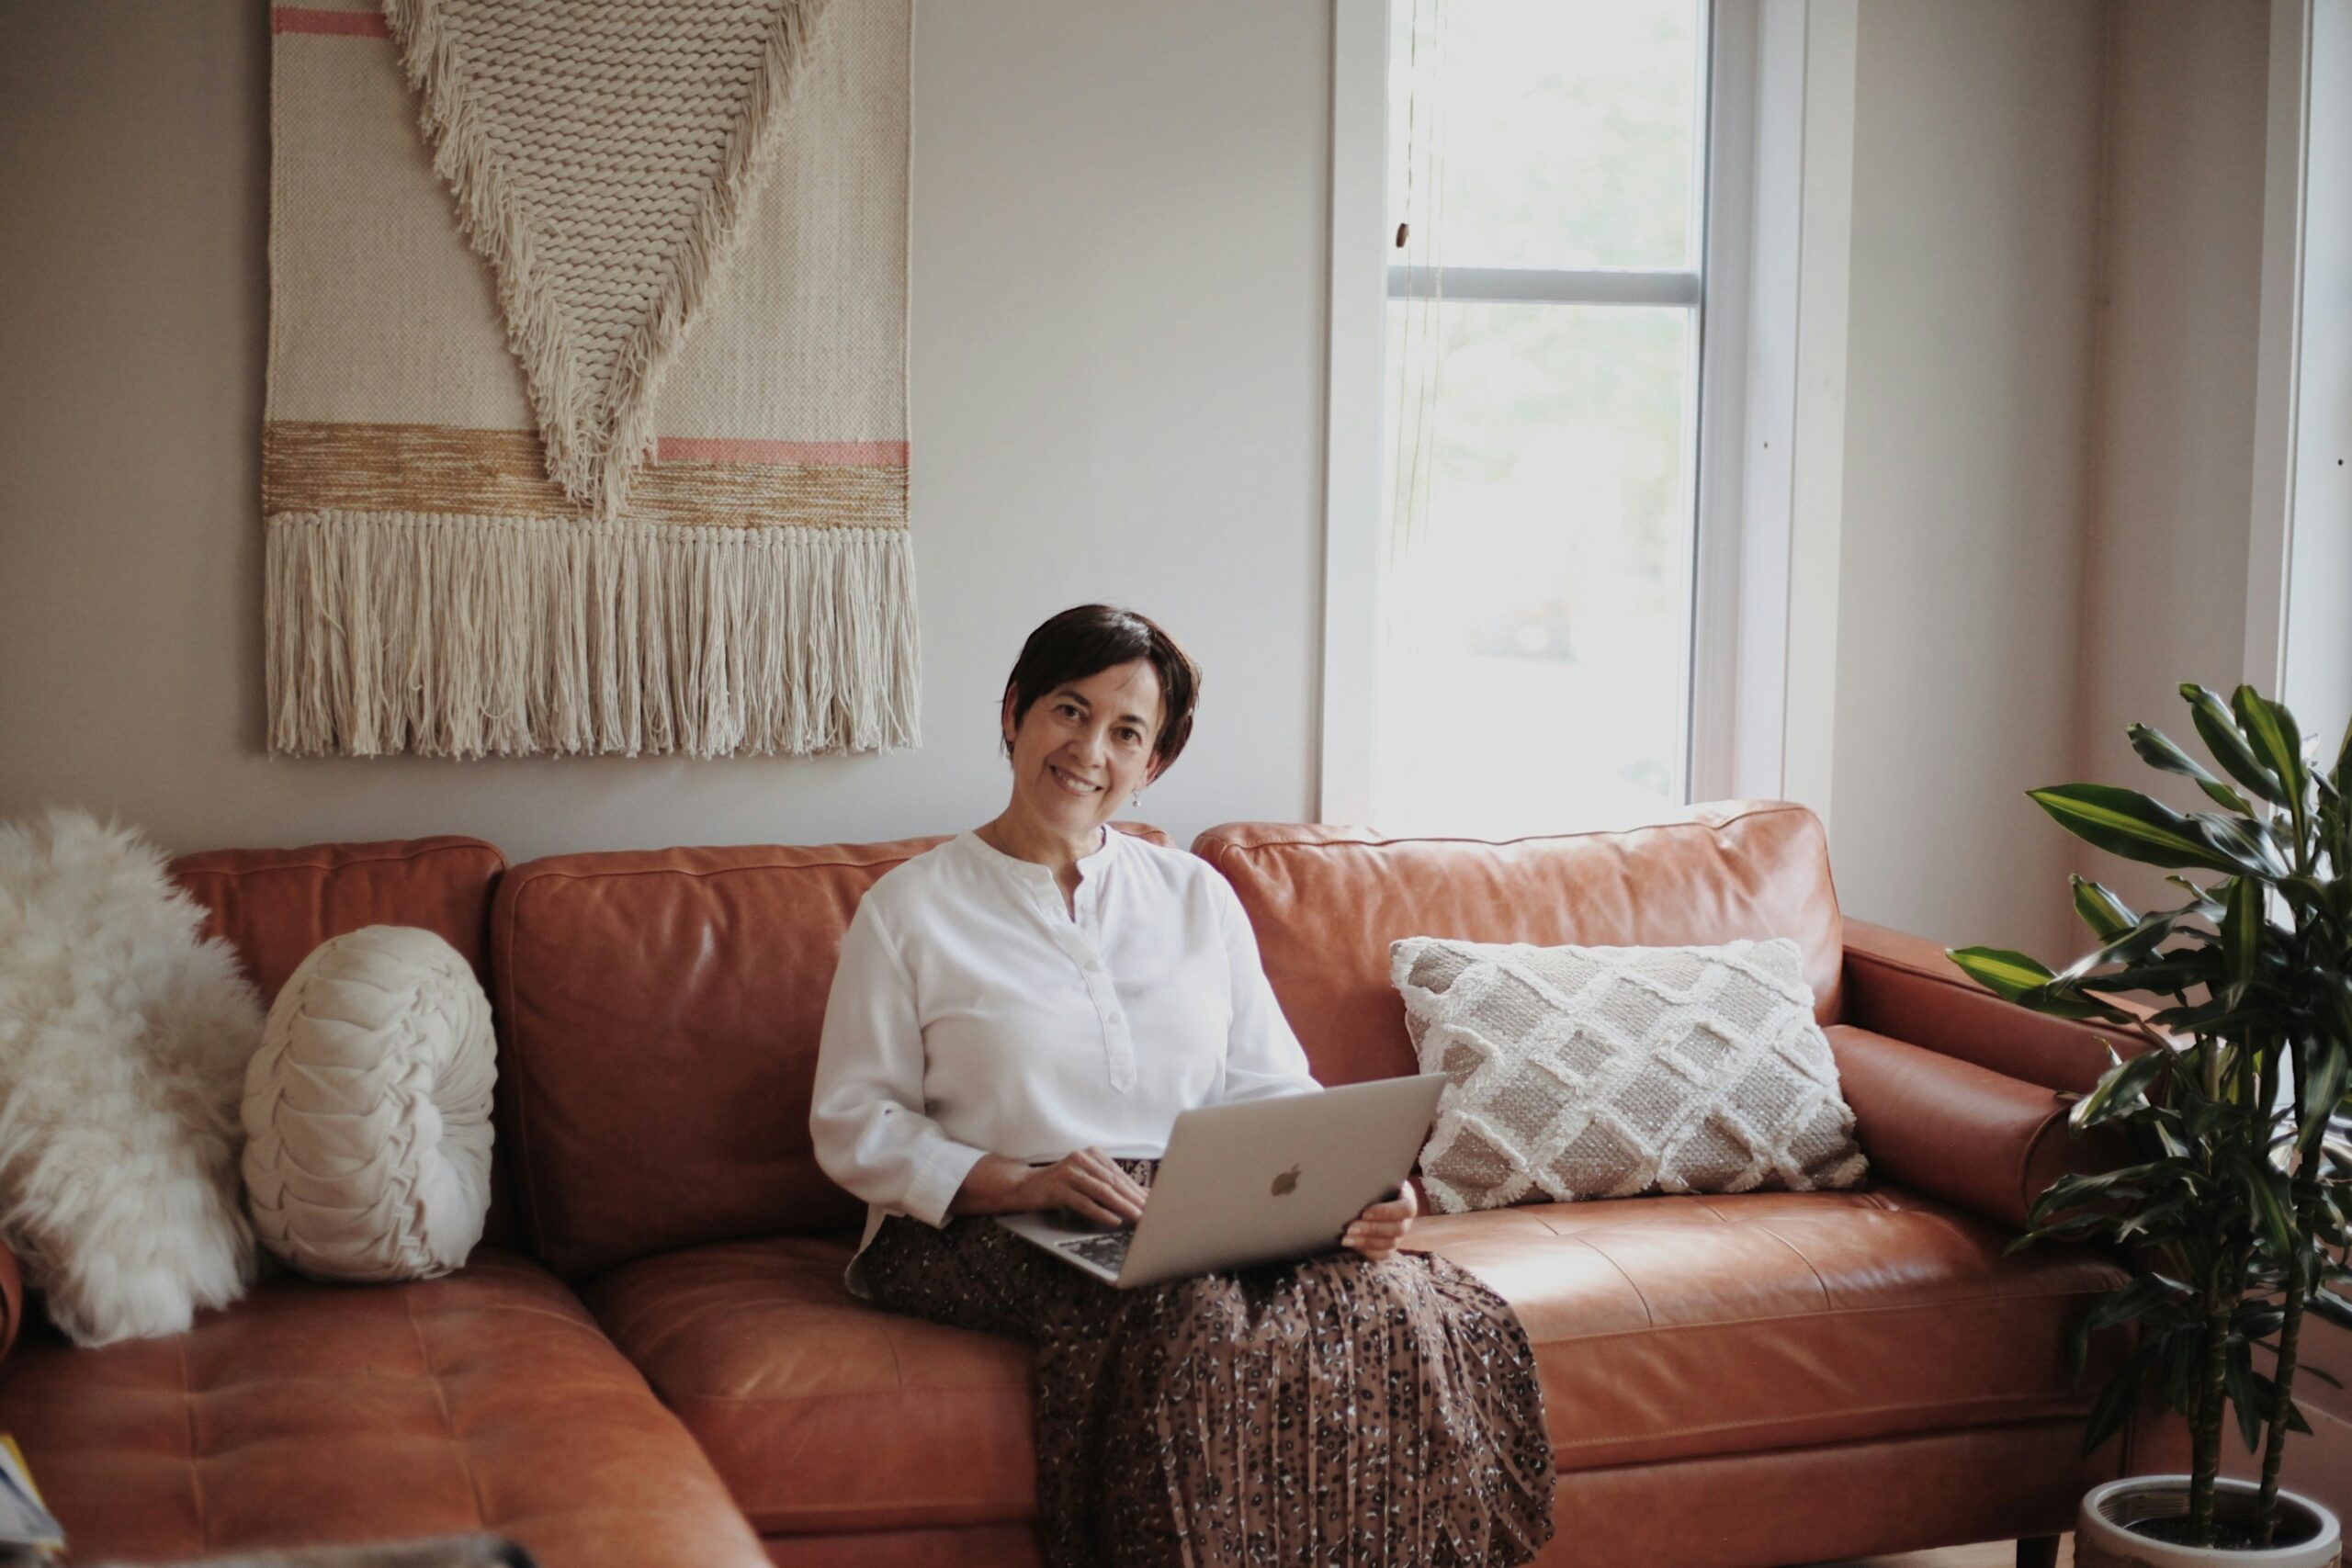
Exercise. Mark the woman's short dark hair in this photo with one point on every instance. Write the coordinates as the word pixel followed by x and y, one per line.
pixel 1091 638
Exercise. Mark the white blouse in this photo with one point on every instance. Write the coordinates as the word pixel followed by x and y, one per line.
pixel 972 1013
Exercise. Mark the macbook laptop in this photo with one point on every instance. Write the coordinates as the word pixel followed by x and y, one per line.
pixel 1264 1181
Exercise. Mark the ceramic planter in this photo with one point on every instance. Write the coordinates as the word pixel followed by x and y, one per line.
pixel 2103 1539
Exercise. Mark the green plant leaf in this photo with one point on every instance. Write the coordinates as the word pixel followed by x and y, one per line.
pixel 2325 1068
pixel 2121 1392
pixel 2002 970
pixel 2332 1307
pixel 2101 910
pixel 2204 905
pixel 2219 730
pixel 2157 751
pixel 2262 1187
pixel 2247 843
pixel 2017 977
pixel 2246 1392
pixel 2242 927
pixel 2129 1303
pixel 2272 732
pixel 2119 1089
pixel 2130 1226
pixel 2142 938
pixel 2127 823
pixel 2180 969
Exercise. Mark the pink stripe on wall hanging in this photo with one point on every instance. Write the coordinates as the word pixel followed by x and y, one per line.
pixel 478 543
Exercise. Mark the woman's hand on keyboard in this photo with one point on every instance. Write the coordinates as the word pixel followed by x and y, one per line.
pixel 1088 1183
pixel 1377 1232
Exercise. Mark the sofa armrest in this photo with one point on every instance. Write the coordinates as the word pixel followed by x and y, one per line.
pixel 12 1298
pixel 1977 1139
pixel 1904 987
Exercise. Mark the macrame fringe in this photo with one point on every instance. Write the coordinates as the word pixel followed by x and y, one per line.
pixel 469 636
pixel 594 444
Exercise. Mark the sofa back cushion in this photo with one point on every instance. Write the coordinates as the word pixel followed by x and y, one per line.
pixel 274 905
pixel 658 1016
pixel 1326 902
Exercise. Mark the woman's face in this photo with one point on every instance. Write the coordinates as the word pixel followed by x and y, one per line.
pixel 1085 747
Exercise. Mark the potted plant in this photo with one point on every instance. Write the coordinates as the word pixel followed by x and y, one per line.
pixel 2231 1206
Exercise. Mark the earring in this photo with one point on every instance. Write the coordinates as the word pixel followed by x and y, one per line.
pixel 1134 800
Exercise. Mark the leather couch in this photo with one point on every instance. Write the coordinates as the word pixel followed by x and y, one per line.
pixel 651 1359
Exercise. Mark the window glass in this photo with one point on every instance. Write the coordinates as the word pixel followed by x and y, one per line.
pixel 1569 128
pixel 1534 663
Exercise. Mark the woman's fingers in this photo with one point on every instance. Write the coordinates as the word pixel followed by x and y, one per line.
pixel 1101 1165
pixel 1109 1167
pixel 1093 1197
pixel 1109 1198
pixel 1377 1232
pixel 1118 1204
pixel 1088 1208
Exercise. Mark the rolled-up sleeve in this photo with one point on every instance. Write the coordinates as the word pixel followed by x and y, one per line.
pixel 866 1117
pixel 1262 1057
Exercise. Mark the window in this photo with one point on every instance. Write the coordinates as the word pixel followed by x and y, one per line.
pixel 1535 581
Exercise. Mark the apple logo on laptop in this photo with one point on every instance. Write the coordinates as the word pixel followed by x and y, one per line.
pixel 1287 1183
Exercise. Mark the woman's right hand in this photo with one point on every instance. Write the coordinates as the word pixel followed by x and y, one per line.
pixel 1088 1183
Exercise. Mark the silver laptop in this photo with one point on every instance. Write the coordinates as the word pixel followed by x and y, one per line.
pixel 1264 1181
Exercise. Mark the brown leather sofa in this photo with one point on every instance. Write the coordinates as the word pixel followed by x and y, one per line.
pixel 652 1360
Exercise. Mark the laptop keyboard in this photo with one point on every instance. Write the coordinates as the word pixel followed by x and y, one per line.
pixel 1108 1250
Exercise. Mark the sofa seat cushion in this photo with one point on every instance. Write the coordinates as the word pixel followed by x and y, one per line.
pixel 313 1412
pixel 823 1412
pixel 1665 1328
pixel 1680 1327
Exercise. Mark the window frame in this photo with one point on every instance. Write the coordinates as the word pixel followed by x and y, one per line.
pixel 1744 406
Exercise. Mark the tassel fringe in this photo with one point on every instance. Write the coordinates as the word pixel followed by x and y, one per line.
pixel 471 637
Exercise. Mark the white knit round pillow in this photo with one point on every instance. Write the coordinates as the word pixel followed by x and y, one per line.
pixel 366 1109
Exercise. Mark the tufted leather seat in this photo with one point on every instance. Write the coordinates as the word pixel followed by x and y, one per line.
pixel 1666 1327
pixel 310 1413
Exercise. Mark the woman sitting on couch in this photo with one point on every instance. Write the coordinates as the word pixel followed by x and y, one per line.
pixel 1018 1018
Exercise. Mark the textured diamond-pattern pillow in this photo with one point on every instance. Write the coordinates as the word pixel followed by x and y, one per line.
pixel 1605 1072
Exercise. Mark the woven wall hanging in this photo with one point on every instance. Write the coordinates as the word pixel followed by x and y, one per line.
pixel 586 426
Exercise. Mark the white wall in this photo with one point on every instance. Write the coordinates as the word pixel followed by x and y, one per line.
pixel 1117 368
pixel 2318 661
pixel 1117 379
pixel 2179 308
pixel 1968 397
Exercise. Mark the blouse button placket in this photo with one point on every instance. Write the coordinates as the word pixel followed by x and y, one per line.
pixel 1083 935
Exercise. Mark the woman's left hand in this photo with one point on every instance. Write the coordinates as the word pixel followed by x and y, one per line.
pixel 1377 1232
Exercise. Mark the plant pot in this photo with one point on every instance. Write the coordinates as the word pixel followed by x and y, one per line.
pixel 2308 1534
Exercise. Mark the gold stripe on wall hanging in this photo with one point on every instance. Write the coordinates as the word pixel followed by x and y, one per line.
pixel 310 467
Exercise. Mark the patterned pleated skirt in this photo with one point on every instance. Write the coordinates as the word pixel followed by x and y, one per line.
pixel 1331 1411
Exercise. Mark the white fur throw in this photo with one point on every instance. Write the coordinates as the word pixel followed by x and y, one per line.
pixel 123 1040
pixel 367 1109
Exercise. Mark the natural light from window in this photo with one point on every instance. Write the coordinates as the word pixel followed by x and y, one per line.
pixel 1542 387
